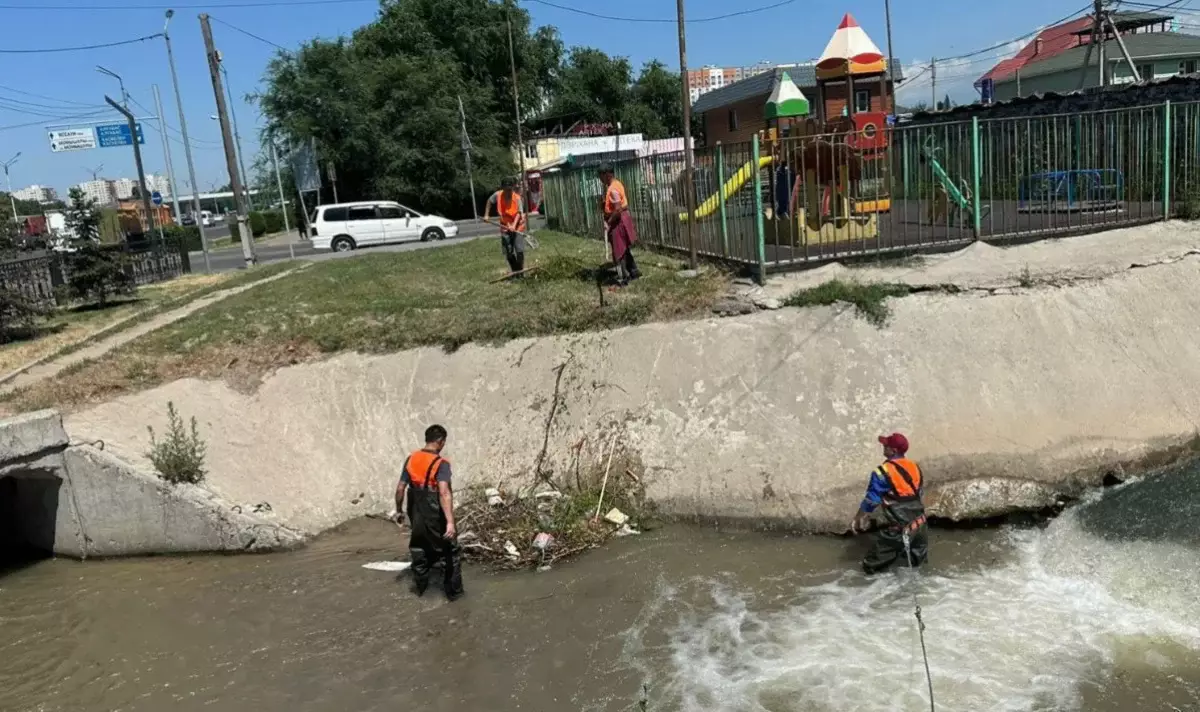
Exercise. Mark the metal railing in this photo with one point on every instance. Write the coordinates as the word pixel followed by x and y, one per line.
pixel 809 199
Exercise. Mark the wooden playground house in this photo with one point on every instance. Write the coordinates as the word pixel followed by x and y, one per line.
pixel 829 179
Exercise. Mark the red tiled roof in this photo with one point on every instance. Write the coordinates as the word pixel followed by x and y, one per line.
pixel 1055 40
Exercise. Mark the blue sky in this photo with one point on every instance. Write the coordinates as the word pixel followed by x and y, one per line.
pixel 795 32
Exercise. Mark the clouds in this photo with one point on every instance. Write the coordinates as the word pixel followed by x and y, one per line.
pixel 956 76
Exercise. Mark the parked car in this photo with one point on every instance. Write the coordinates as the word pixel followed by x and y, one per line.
pixel 347 226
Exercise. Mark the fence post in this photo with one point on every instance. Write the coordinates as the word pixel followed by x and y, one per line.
pixel 1167 160
pixel 760 230
pixel 976 171
pixel 721 195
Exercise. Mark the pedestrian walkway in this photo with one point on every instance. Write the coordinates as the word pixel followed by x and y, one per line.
pixel 48 368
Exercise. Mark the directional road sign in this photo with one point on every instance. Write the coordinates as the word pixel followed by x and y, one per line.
pixel 156 198
pixel 118 135
pixel 72 140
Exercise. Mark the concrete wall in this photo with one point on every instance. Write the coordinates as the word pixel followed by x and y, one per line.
pixel 79 501
pixel 1009 399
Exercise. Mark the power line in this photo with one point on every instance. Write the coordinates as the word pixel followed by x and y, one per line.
pixel 671 21
pixel 43 122
pixel 248 33
pixel 42 96
pixel 195 142
pixel 81 47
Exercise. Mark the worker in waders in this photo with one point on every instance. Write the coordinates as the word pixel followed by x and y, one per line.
pixel 511 209
pixel 426 481
pixel 895 488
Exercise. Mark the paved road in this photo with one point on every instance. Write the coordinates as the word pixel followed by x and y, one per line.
pixel 230 258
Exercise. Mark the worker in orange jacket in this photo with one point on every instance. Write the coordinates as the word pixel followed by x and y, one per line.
pixel 510 206
pixel 895 488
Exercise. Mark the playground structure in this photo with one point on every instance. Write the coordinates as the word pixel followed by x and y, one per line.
pixel 952 203
pixel 1082 190
pixel 830 178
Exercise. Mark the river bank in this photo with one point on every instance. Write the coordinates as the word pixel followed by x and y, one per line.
pixel 1090 613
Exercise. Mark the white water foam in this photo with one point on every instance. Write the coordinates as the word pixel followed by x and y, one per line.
pixel 1018 637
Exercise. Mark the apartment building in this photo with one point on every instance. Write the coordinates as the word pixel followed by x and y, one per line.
pixel 99 191
pixel 711 77
pixel 37 194
pixel 108 192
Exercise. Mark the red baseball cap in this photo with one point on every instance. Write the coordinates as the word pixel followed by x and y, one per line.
pixel 895 441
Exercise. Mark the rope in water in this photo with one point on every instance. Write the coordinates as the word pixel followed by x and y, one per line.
pixel 920 624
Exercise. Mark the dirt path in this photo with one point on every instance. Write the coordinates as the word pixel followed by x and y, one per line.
pixel 52 366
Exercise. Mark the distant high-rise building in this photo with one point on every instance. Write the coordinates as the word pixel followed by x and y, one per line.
pixel 160 184
pixel 710 77
pixel 99 190
pixel 123 188
pixel 37 194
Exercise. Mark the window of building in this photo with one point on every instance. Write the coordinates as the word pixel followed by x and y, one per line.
pixel 362 212
pixel 1146 71
pixel 531 150
pixel 733 120
pixel 862 100
pixel 1187 66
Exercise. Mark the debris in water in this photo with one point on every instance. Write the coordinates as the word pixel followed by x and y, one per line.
pixel 389 566
pixel 627 530
pixel 616 516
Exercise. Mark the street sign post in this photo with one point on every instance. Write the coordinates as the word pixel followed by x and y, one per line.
pixel 118 135
pixel 156 198
pixel 83 139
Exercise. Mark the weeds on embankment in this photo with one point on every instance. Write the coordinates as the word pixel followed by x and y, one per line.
pixel 869 300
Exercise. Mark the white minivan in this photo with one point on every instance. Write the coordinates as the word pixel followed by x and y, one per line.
pixel 348 226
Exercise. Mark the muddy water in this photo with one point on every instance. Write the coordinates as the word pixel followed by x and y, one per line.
pixel 1094 612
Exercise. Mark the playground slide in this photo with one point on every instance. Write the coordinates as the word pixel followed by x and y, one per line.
pixel 733 185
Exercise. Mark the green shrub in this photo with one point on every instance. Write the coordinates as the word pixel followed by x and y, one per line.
pixel 274 220
pixel 180 457
pixel 258 224
pixel 186 235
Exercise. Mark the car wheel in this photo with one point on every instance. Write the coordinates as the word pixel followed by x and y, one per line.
pixel 342 243
pixel 432 234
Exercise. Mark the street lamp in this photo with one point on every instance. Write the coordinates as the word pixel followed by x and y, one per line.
pixel 237 138
pixel 114 75
pixel 94 171
pixel 12 200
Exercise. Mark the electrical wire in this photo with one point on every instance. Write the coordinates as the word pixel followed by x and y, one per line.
pixel 81 48
pixel 248 33
pixel 43 122
pixel 195 142
pixel 671 21
pixel 183 6
pixel 42 96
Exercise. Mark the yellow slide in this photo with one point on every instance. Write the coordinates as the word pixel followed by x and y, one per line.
pixel 733 185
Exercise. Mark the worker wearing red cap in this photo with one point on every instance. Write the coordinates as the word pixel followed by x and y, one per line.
pixel 895 488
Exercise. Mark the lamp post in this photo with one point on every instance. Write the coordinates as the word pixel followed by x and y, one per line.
pixel 94 171
pixel 114 75
pixel 8 179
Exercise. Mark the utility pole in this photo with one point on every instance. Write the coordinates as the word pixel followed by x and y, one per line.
pixel 8 179
pixel 237 138
pixel 512 60
pixel 933 84
pixel 137 159
pixel 282 200
pixel 1098 36
pixel 235 182
pixel 187 146
pixel 466 147
pixel 689 161
pixel 888 75
pixel 162 127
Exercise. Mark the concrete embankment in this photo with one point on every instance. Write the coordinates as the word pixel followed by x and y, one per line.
pixel 78 500
pixel 1011 397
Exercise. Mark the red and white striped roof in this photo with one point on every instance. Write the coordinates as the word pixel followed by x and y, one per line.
pixel 849 43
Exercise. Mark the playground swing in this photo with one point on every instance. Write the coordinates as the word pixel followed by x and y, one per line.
pixel 951 202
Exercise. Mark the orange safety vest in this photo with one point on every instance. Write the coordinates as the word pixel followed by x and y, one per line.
pixel 904 478
pixel 614 197
pixel 422 469
pixel 510 210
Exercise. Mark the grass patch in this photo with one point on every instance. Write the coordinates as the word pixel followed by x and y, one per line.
pixel 385 302
pixel 869 300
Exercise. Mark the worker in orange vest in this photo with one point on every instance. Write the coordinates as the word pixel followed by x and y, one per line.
pixel 895 488
pixel 618 224
pixel 426 482
pixel 511 208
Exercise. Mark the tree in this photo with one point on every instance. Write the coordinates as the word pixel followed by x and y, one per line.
pixel 656 94
pixel 594 86
pixel 95 272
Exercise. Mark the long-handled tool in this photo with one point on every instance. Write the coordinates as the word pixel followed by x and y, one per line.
pixel 530 241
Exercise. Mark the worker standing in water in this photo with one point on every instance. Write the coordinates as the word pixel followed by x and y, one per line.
pixel 618 225
pixel 426 481
pixel 895 488
pixel 510 207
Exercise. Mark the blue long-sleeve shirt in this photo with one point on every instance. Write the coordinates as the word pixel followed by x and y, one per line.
pixel 877 487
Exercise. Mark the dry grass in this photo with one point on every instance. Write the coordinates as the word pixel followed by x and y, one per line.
pixel 384 302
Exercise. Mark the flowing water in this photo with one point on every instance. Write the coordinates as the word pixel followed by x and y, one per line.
pixel 1095 611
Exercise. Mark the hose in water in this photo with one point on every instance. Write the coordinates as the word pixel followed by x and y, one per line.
pixel 920 623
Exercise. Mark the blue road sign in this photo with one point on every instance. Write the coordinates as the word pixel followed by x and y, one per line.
pixel 118 135
pixel 156 198
pixel 987 90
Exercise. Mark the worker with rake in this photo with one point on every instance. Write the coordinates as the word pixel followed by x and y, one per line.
pixel 511 208
pixel 618 225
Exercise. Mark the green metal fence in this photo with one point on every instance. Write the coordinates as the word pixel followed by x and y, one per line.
pixel 803 200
